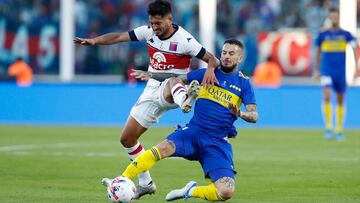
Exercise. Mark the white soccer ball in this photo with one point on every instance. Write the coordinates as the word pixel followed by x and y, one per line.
pixel 121 190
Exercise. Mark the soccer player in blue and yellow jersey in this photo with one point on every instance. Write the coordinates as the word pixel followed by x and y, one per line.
pixel 330 58
pixel 205 137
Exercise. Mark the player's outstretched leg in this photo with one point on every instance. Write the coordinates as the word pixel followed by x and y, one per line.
pixel 221 190
pixel 146 161
pixel 182 96
pixel 129 139
pixel 182 192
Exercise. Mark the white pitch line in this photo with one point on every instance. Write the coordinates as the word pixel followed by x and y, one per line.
pixel 11 148
pixel 25 150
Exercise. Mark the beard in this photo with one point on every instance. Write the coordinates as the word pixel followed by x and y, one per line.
pixel 228 69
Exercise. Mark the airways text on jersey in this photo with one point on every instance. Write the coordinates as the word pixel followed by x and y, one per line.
pixel 161 60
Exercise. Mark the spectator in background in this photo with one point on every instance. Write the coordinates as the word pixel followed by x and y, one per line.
pixel 267 74
pixel 22 72
pixel 314 15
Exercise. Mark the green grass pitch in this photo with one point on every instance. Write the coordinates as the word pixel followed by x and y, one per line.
pixel 66 164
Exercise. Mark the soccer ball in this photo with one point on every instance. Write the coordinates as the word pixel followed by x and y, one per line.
pixel 121 190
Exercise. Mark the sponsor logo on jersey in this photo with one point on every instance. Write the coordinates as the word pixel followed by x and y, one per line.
pixel 158 60
pixel 219 95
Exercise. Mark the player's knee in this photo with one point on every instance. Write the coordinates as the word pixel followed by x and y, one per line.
pixel 225 193
pixel 173 81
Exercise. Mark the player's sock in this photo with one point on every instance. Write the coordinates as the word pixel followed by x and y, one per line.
pixel 205 192
pixel 179 93
pixel 133 152
pixel 142 163
pixel 340 111
pixel 327 110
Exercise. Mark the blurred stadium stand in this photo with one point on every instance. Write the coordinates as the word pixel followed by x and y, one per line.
pixel 281 29
pixel 31 29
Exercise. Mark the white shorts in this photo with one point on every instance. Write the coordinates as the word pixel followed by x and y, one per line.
pixel 151 104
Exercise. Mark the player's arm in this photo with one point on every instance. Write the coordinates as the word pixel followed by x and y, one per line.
pixel 318 42
pixel 316 73
pixel 250 115
pixel 145 76
pixel 357 70
pixel 213 62
pixel 106 39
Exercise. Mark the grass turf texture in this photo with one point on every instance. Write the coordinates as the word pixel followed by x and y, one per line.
pixel 66 164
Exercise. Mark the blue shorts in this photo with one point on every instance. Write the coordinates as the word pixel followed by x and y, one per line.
pixel 335 81
pixel 212 150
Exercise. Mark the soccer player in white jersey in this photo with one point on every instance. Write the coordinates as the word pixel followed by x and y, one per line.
pixel 170 50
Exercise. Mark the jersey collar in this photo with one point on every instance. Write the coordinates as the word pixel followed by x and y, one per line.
pixel 176 27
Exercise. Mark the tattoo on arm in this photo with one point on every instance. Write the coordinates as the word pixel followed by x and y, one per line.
pixel 162 76
pixel 171 143
pixel 250 115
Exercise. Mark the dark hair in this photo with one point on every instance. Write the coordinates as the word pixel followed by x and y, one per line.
pixel 333 9
pixel 159 7
pixel 236 42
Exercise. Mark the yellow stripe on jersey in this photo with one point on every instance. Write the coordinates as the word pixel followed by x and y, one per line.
pixel 219 95
pixel 333 46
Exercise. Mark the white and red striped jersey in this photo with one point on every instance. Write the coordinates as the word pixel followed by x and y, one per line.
pixel 171 55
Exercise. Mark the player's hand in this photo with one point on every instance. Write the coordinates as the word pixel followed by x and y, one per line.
pixel 234 109
pixel 83 41
pixel 316 74
pixel 209 78
pixel 142 75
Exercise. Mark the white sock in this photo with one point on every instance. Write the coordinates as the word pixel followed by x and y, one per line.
pixel 179 93
pixel 133 152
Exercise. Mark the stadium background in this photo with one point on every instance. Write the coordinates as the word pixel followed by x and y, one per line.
pixel 101 95
pixel 281 29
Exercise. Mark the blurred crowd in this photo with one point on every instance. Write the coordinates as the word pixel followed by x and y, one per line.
pixel 242 19
pixel 268 15
pixel 34 12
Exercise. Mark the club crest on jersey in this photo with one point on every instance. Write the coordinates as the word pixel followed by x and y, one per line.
pixel 173 46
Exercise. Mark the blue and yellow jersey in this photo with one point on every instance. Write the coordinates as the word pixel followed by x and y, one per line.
pixel 211 107
pixel 332 44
